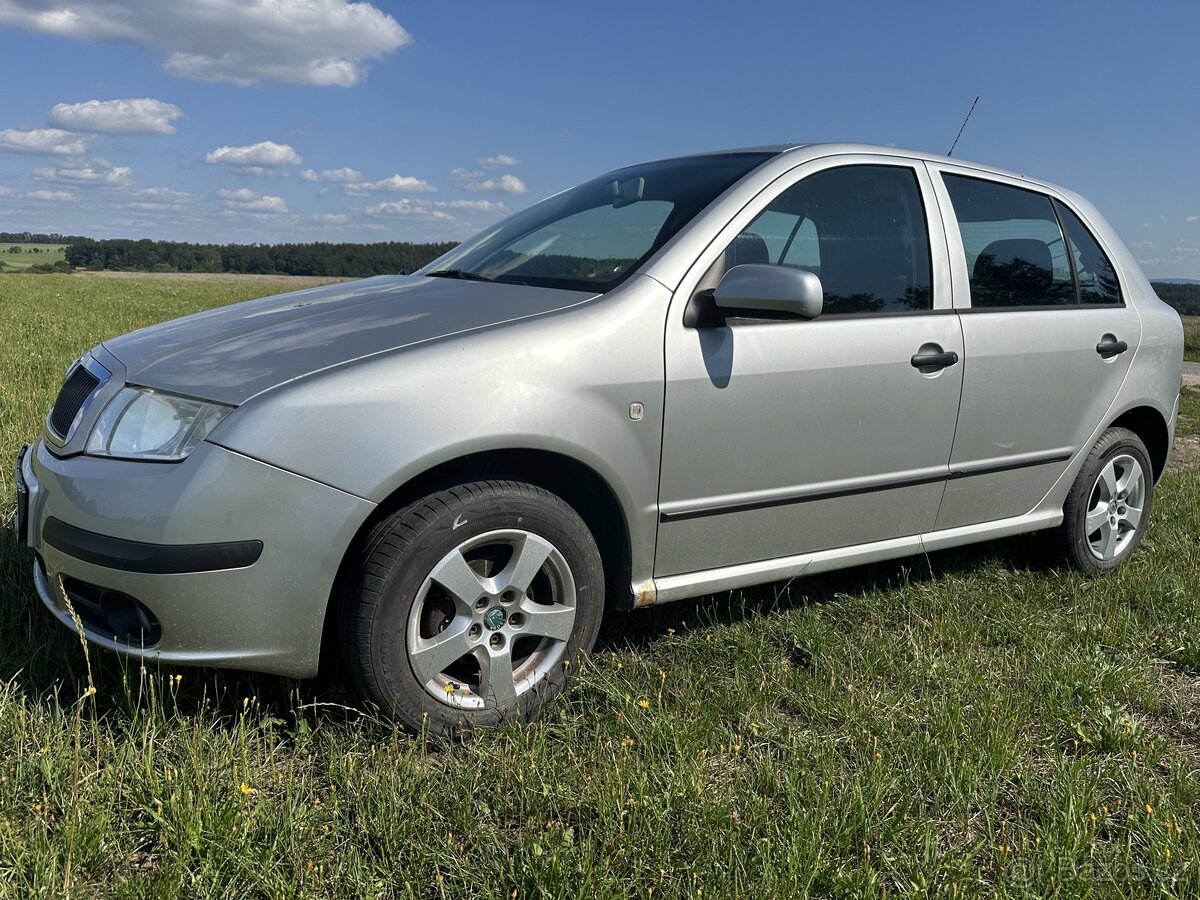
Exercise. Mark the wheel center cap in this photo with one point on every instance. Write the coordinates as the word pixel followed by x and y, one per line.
pixel 494 618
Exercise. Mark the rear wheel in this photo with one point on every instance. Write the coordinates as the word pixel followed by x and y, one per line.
pixel 470 606
pixel 1108 508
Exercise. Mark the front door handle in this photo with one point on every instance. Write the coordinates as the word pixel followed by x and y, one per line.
pixel 933 361
pixel 1109 347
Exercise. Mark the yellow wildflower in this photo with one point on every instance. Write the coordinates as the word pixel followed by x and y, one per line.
pixel 644 704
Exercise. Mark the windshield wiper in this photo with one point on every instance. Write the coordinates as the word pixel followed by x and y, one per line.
pixel 459 273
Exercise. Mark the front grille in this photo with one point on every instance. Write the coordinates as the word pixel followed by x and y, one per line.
pixel 75 390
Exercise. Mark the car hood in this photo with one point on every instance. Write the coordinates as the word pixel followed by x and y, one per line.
pixel 234 352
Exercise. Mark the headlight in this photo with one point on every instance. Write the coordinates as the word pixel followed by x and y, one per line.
pixel 140 423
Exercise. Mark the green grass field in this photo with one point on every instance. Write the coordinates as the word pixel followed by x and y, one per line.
pixel 971 723
pixel 47 254
pixel 1191 338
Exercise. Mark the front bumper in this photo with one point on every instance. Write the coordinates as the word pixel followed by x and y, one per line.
pixel 155 533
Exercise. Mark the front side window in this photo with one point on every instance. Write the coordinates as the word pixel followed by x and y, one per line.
pixel 860 229
pixel 1016 256
pixel 592 237
pixel 1097 277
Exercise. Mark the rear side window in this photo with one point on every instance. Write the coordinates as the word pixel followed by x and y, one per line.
pixel 1015 251
pixel 860 229
pixel 1097 277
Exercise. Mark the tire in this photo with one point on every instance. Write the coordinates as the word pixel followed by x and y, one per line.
pixel 1105 514
pixel 504 571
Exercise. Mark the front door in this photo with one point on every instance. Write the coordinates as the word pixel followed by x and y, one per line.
pixel 788 436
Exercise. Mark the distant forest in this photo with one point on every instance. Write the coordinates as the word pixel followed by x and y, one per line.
pixel 338 260
pixel 345 260
pixel 33 237
pixel 1184 297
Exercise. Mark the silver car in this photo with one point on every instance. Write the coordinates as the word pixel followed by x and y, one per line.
pixel 680 378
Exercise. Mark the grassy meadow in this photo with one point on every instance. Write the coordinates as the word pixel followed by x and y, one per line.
pixel 975 722
pixel 30 255
pixel 1191 338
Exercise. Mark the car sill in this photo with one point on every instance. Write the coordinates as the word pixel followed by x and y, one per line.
pixel 710 581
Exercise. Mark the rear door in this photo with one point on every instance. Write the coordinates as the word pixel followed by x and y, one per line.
pixel 787 436
pixel 1048 340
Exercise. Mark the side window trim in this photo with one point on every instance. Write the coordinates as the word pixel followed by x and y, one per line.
pixel 1066 246
pixel 939 252
pixel 1057 202
pixel 959 279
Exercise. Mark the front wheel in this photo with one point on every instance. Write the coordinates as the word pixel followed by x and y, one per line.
pixel 470 606
pixel 1108 508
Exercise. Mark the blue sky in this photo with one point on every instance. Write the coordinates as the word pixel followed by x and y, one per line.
pixel 448 115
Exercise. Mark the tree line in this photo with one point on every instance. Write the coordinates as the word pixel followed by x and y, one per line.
pixel 1184 297
pixel 344 260
pixel 33 237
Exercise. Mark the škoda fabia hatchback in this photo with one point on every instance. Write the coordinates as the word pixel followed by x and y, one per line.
pixel 682 377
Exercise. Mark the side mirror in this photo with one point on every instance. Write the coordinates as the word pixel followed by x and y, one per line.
pixel 774 289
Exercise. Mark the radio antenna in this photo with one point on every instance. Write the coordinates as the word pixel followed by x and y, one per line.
pixel 961 127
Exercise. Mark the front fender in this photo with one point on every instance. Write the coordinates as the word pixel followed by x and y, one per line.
pixel 561 383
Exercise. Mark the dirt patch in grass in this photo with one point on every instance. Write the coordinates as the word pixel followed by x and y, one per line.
pixel 1186 454
pixel 1178 725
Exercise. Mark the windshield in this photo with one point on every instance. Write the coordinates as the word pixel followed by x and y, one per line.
pixel 592 237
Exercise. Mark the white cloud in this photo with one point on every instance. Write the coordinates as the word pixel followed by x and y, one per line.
pixel 140 116
pixel 432 209
pixel 41 141
pixel 478 205
pixel 248 201
pixel 56 196
pixel 6 192
pixel 400 184
pixel 241 195
pixel 157 198
pixel 465 174
pixel 418 208
pixel 334 176
pixel 331 219
pixel 265 205
pixel 1193 218
pixel 99 174
pixel 317 42
pixel 166 195
pixel 500 159
pixel 254 158
pixel 505 184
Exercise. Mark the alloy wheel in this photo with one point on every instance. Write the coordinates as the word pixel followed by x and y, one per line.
pixel 491 620
pixel 1114 513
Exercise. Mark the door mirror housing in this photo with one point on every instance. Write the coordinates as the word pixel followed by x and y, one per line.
pixel 770 289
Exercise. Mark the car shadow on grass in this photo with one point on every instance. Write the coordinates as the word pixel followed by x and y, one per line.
pixel 641 628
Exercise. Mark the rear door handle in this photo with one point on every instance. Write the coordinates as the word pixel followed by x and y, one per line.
pixel 1111 347
pixel 934 360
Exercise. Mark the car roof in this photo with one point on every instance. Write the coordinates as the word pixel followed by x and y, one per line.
pixel 816 150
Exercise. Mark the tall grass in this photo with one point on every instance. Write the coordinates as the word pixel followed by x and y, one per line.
pixel 1191 338
pixel 973 722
